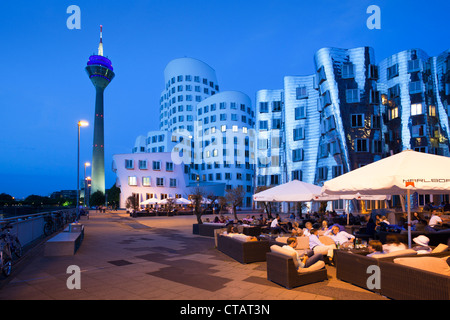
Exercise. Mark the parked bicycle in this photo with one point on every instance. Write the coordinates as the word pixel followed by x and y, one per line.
pixel 53 222
pixel 5 256
pixel 13 240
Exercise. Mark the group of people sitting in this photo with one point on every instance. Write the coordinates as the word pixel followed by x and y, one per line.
pixel 421 245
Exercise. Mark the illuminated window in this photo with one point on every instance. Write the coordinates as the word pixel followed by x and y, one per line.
pixel 146 181
pixel 432 111
pixel 416 109
pixel 132 181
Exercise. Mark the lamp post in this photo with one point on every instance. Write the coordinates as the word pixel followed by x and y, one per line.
pixel 81 123
pixel 86 164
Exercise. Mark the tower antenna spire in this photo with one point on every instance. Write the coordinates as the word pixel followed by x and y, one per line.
pixel 100 45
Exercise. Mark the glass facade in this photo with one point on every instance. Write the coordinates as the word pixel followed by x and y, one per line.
pixel 352 112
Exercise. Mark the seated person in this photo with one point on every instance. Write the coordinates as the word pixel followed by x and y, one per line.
pixel 231 230
pixel 318 247
pixel 393 244
pixel 435 220
pixel 375 247
pixel 275 226
pixel 422 244
pixel 341 238
pixel 306 260
pixel 307 229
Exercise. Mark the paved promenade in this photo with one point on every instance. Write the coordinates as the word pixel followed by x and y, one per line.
pixel 155 258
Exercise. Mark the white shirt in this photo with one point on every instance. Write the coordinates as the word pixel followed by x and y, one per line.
pixel 434 220
pixel 288 247
pixel 274 223
pixel 341 237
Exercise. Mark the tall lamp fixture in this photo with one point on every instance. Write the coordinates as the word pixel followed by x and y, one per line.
pixel 86 164
pixel 81 123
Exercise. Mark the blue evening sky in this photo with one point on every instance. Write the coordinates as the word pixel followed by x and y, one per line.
pixel 252 45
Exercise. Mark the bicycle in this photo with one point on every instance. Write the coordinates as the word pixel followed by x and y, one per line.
pixel 5 256
pixel 53 223
pixel 13 240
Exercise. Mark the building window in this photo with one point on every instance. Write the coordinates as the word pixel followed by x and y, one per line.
pixel 393 113
pixel 357 120
pixel 146 181
pixel 336 171
pixel 263 125
pixel 132 181
pixel 156 165
pixel 415 87
pixel 323 173
pixel 300 112
pixel 432 111
pixel 169 166
pixel 376 122
pixel 348 71
pixel 416 109
pixel 392 71
pixel 352 95
pixel 414 65
pixel 173 183
pixel 377 146
pixel 301 93
pixel 275 179
pixel 142 164
pixel 299 134
pixel 297 155
pixel 297 175
pixel 129 164
pixel 276 106
pixel 361 145
pixel 159 182
pixel 276 123
pixel 394 91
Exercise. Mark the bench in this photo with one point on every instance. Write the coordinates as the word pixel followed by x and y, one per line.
pixel 65 243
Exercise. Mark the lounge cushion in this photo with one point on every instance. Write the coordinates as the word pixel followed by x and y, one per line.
pixel 407 252
pixel 316 266
pixel 440 248
pixel 285 252
pixel 431 264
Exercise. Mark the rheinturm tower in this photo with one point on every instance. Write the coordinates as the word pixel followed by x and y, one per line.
pixel 100 71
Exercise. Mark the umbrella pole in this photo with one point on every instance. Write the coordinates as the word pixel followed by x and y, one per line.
pixel 408 195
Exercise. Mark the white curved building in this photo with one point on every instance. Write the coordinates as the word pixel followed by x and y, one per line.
pixel 187 81
pixel 209 131
pixel 224 141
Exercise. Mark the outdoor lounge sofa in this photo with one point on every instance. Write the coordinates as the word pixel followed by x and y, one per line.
pixel 282 269
pixel 354 268
pixel 243 248
pixel 207 228
pixel 436 237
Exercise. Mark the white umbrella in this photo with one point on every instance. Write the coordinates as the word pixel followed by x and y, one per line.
pixel 396 175
pixel 293 191
pixel 176 201
pixel 150 201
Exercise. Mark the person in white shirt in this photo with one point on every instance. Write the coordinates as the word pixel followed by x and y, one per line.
pixel 305 261
pixel 435 219
pixel 318 247
pixel 342 238
pixel 393 244
pixel 307 229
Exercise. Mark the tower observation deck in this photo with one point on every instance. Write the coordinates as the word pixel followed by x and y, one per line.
pixel 100 71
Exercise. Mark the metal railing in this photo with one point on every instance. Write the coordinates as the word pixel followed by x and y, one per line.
pixel 29 228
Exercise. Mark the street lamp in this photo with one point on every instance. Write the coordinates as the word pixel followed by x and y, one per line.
pixel 86 164
pixel 81 123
